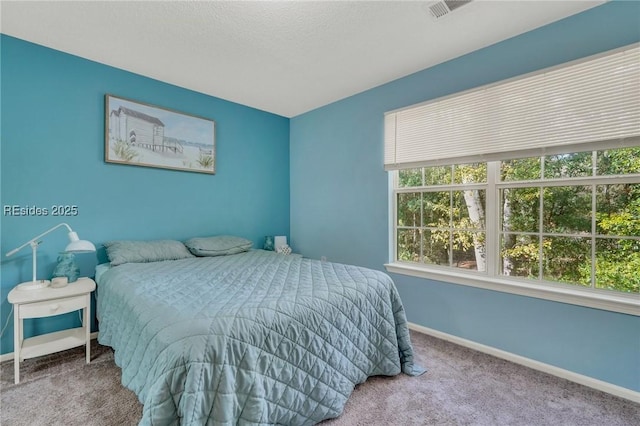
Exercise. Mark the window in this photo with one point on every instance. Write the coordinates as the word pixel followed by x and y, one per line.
pixel 441 215
pixel 530 186
pixel 570 219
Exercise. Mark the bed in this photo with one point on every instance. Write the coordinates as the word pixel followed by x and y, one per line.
pixel 250 338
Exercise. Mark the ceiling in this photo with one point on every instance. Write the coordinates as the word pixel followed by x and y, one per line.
pixel 285 57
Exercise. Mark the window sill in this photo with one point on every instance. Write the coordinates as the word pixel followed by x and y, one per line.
pixel 626 304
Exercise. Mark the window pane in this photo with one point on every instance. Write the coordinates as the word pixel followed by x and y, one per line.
pixel 568 165
pixel 567 260
pixel 618 210
pixel 408 248
pixel 438 175
pixel 519 209
pixel 470 173
pixel 567 209
pixel 520 169
pixel 617 265
pixel 520 255
pixel 469 250
pixel 409 178
pixel 469 209
pixel 618 161
pixel 409 209
pixel 436 208
pixel 435 247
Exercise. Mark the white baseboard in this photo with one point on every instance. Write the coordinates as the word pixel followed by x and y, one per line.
pixel 536 365
pixel 499 353
pixel 9 356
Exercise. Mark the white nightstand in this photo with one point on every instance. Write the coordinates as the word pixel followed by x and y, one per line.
pixel 48 302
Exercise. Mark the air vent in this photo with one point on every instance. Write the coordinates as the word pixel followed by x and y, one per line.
pixel 442 8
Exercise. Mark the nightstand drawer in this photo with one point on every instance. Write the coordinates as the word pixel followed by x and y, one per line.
pixel 52 307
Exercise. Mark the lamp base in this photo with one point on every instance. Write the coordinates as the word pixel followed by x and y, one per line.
pixel 59 282
pixel 34 285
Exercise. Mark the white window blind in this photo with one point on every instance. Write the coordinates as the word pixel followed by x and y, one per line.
pixel 579 104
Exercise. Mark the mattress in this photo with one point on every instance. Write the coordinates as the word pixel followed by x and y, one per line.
pixel 252 338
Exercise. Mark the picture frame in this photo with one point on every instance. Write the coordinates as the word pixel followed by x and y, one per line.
pixel 140 134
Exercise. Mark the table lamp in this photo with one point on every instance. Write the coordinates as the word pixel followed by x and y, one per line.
pixel 76 245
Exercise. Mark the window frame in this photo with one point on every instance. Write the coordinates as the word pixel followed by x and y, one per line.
pixel 491 279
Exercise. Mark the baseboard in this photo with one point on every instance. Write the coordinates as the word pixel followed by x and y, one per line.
pixel 499 353
pixel 536 365
pixel 9 356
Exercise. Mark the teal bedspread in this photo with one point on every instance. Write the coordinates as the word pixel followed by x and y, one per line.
pixel 252 338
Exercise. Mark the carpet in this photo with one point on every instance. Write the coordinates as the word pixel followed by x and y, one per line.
pixel 461 387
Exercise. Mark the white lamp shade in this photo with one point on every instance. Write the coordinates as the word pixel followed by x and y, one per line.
pixel 80 246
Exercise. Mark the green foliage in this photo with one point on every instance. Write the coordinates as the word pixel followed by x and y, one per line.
pixel 434 225
pixel 619 275
pixel 437 175
pixel 205 161
pixel 446 227
pixel 408 249
pixel 410 178
pixel 618 161
pixel 124 151
pixel 520 209
pixel 470 173
pixel 436 247
pixel 563 258
pixel 618 209
pixel 617 265
pixel 523 254
pixel 436 209
pixel 520 169
pixel 568 165
pixel 567 210
pixel 620 223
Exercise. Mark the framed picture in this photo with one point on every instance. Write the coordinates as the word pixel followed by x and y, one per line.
pixel 140 134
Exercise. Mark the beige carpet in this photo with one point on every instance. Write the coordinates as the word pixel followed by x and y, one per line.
pixel 462 387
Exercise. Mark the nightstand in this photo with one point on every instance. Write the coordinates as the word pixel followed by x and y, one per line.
pixel 47 302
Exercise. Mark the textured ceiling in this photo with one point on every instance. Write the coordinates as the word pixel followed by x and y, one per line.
pixel 284 57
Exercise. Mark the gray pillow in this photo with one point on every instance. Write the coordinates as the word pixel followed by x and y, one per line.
pixel 218 246
pixel 124 251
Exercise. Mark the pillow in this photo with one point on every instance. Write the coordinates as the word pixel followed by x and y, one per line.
pixel 218 246
pixel 120 252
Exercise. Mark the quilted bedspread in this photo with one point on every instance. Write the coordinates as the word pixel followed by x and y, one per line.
pixel 252 338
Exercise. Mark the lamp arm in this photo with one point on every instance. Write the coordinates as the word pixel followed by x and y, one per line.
pixel 31 241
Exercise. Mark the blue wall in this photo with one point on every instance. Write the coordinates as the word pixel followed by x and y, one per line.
pixel 52 140
pixel 339 203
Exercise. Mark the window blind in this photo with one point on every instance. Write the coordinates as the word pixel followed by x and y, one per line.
pixel 579 105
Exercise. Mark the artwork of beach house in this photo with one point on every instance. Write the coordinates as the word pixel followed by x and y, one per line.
pixel 137 128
